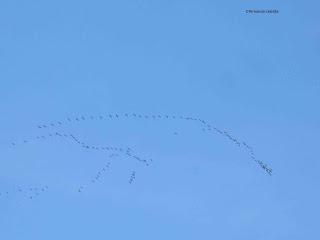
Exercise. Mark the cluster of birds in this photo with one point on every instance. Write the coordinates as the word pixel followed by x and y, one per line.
pixel 132 177
pixel 205 126
pixel 31 192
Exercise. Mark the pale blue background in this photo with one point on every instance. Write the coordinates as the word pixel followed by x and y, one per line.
pixel 256 76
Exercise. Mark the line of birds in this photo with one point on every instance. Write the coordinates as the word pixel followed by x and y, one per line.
pixel 98 175
pixel 121 150
pixel 205 126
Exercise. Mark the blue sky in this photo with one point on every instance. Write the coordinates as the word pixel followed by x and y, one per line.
pixel 252 75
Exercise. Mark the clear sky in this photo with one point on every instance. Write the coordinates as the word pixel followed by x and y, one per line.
pixel 255 76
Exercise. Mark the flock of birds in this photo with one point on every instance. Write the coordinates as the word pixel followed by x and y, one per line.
pixel 125 151
pixel 30 192
pixel 205 126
